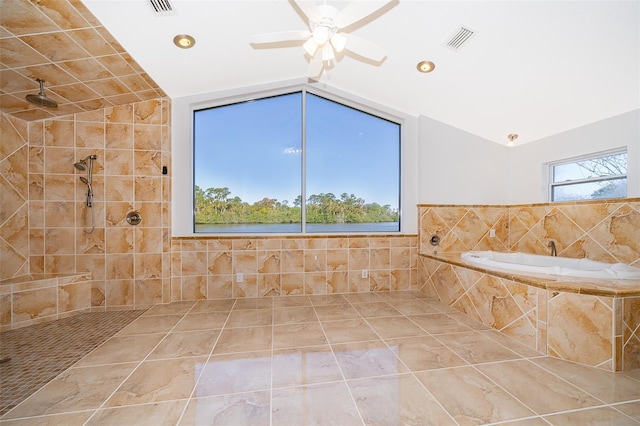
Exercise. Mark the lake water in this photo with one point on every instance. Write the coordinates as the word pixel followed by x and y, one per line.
pixel 288 228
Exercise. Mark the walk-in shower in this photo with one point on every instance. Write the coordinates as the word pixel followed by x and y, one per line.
pixel 86 164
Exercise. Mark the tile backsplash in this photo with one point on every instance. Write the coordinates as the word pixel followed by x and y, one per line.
pixel 607 230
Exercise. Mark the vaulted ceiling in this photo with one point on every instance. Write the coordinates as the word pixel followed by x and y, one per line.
pixel 535 68
pixel 61 42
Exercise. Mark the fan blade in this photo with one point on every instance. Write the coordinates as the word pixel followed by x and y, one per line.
pixel 358 10
pixel 309 8
pixel 365 48
pixel 279 36
pixel 315 66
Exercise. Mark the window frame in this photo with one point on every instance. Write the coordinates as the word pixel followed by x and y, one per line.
pixel 333 95
pixel 592 156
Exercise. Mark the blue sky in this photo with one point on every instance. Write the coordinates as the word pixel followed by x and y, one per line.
pixel 254 148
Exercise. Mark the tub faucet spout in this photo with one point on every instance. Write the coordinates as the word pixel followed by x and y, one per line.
pixel 552 245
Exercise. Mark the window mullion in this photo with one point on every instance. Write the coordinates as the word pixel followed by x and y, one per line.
pixel 587 180
pixel 303 157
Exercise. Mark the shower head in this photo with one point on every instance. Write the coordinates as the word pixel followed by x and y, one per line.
pixel 82 164
pixel 84 180
pixel 41 99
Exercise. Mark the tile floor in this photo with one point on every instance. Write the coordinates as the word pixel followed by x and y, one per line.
pixel 376 359
pixel 36 354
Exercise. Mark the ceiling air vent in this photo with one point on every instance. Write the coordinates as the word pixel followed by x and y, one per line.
pixel 161 7
pixel 459 38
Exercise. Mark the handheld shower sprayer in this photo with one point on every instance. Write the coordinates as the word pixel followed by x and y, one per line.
pixel 86 164
pixel 89 191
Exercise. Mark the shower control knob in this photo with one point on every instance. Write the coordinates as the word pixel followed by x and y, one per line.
pixel 134 218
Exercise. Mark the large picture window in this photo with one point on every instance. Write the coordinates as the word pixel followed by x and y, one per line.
pixel 594 177
pixel 295 163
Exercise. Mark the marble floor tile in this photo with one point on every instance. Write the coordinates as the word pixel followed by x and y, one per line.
pixel 336 312
pixel 254 303
pixel 395 295
pixel 550 394
pixel 414 307
pixel 327 299
pixel 605 385
pixel 252 408
pixel 375 309
pixel 223 305
pixel 352 330
pixel 292 315
pixel 150 324
pixel 314 405
pixel 394 327
pixel 77 418
pixel 511 343
pixel 243 340
pixel 397 400
pixel 362 297
pixel 464 319
pixel 202 321
pixel 185 344
pixel 170 308
pixel 161 380
pixel 250 318
pixel 293 335
pixel 367 359
pixel 424 353
pixel 233 373
pixel 77 389
pixel 532 421
pixel 439 323
pixel 360 358
pixel 631 409
pixel 304 366
pixel 593 417
pixel 470 397
pixel 476 348
pixel 120 349
pixel 291 301
pixel 158 413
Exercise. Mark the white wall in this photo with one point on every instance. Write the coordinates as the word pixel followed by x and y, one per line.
pixel 527 172
pixel 456 167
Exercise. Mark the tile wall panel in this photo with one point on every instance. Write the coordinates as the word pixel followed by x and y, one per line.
pixel 43 206
pixel 208 267
pixel 607 231
pixel 598 331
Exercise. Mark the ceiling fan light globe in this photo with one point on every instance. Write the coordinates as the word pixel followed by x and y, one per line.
pixel 339 42
pixel 327 53
pixel 321 35
pixel 310 46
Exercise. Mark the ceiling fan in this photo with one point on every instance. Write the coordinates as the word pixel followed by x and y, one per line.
pixel 328 32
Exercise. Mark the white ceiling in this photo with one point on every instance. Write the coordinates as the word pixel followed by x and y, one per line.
pixel 535 68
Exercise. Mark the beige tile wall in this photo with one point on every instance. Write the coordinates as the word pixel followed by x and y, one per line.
pixel 207 268
pixel 593 330
pixel 602 332
pixel 42 216
pixel 607 231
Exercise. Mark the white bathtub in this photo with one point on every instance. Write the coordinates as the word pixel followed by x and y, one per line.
pixel 533 263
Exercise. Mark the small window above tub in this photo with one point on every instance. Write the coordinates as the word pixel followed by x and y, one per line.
pixel 593 177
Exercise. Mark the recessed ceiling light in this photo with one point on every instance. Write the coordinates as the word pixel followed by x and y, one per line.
pixel 184 41
pixel 426 66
